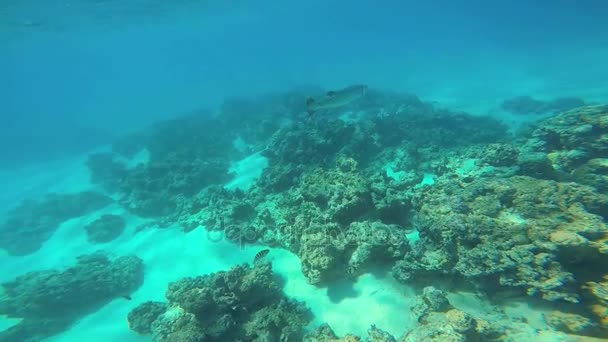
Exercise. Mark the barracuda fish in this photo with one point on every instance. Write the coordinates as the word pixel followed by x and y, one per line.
pixel 336 98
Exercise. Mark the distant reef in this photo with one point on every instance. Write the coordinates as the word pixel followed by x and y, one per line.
pixel 34 221
pixel 50 301
pixel 527 105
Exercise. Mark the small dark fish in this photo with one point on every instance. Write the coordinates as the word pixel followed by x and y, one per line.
pixel 127 297
pixel 260 255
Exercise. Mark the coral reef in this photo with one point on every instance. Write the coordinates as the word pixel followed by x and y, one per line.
pixel 328 219
pixel 293 150
pixel 523 105
pixel 51 301
pixel 438 320
pixel 242 304
pixel 570 323
pixel 105 229
pixel 526 105
pixel 511 214
pixel 342 195
pixel 324 333
pixel 518 231
pixel 33 222
pixel 160 187
pixel 106 170
pixel 576 145
pixel 599 294
pixel 453 325
pixel 141 318
pixel 191 153
pixel 185 155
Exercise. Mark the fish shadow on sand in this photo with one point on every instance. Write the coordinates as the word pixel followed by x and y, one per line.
pixel 341 289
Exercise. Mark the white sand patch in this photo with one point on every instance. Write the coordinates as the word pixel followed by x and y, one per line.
pixel 349 307
pixel 246 171
pixel 67 175
pixel 391 173
pixel 168 255
pixel 140 158
pixel 7 322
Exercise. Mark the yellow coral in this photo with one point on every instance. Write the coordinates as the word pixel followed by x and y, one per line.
pixel 601 311
pixel 600 291
pixel 594 114
pixel 565 238
pixel 602 244
pixel 553 157
pixel 568 322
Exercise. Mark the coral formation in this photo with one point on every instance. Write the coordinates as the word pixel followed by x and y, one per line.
pixel 599 293
pixel 242 304
pixel 141 318
pixel 33 222
pixel 438 320
pixel 522 214
pixel 51 301
pixel 569 322
pixel 526 105
pixel 342 195
pixel 105 229
pixel 576 145
pixel 324 333
pixel 517 231
pixel 106 170
pixel 182 162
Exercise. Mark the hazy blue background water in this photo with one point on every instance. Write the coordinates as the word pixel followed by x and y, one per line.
pixel 74 74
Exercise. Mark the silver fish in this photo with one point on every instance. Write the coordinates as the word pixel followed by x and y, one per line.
pixel 336 98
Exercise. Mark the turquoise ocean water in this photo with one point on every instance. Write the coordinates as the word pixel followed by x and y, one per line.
pixel 173 140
